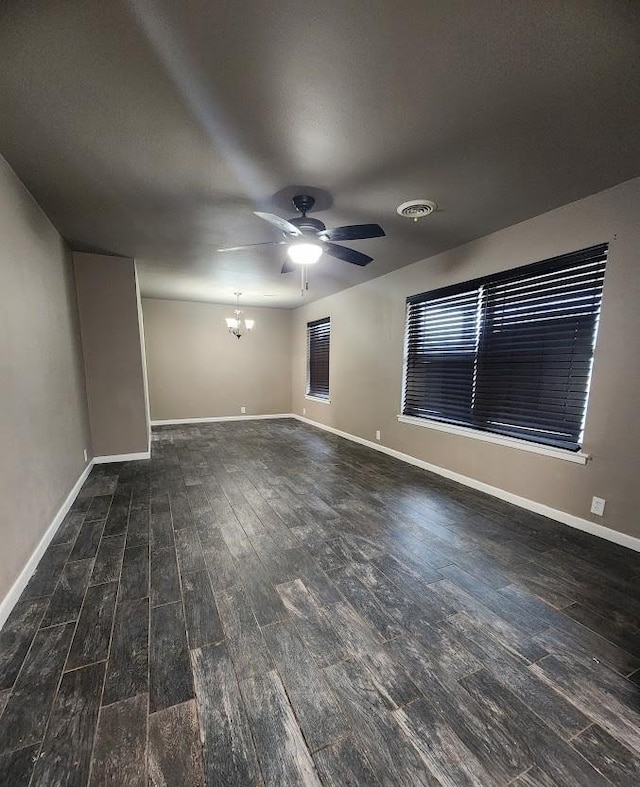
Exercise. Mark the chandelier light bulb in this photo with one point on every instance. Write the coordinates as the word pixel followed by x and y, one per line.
pixel 235 323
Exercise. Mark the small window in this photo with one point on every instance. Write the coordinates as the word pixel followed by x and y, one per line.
pixel 510 353
pixel 318 339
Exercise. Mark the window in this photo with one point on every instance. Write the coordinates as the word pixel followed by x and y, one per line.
pixel 318 338
pixel 510 353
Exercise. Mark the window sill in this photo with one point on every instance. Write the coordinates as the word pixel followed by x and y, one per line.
pixel 320 399
pixel 577 457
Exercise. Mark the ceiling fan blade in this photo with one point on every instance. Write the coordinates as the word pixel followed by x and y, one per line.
pixel 282 224
pixel 288 266
pixel 253 245
pixel 347 255
pixel 354 232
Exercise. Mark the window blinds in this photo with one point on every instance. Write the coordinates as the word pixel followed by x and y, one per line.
pixel 510 353
pixel 318 338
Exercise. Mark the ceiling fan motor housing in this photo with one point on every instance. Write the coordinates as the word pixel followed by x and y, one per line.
pixel 307 224
pixel 303 203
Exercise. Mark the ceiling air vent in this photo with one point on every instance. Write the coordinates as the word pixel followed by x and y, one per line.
pixel 417 208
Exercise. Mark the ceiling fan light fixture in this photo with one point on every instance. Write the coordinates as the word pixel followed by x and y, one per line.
pixel 304 253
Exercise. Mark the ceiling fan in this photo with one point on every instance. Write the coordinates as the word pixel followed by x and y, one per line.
pixel 306 238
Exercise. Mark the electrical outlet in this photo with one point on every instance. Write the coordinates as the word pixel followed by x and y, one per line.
pixel 377 434
pixel 304 411
pixel 86 456
pixel 243 409
pixel 597 506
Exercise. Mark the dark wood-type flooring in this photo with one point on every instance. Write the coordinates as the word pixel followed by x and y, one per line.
pixel 262 603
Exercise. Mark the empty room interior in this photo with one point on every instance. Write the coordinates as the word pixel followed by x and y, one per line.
pixel 320 381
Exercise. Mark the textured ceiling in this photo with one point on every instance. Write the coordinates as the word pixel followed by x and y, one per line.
pixel 153 128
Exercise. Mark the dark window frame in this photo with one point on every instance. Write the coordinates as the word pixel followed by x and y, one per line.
pixel 509 354
pixel 318 358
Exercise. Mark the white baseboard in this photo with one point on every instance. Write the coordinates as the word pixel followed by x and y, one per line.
pixel 215 419
pixel 9 601
pixel 102 460
pixel 523 502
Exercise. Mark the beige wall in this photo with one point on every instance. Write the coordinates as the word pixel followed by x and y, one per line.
pixel 112 344
pixel 198 370
pixel 43 417
pixel 367 326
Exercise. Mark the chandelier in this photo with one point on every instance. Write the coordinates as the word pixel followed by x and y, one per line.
pixel 236 325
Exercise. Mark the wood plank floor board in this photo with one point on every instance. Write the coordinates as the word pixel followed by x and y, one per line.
pixel 557 711
pixel 496 748
pixel 411 610
pixel 518 615
pixel 108 561
pixel 363 644
pixel 316 581
pixel 16 636
pixel 328 558
pixel 138 529
pixel 88 540
pixel 285 760
pixel 93 632
pixel 343 765
pixel 120 752
pixel 67 598
pixel 69 529
pixel 316 709
pixel 25 716
pixel 622 635
pixel 134 579
pixel 16 767
pixel 65 757
pixel 393 758
pixel 575 638
pixel 436 740
pixel 181 514
pixel 118 517
pixel 244 638
pixel 189 551
pixel 545 584
pixel 514 638
pixel 46 576
pixel 265 602
pixel 599 692
pixel 442 655
pixel 544 747
pixel 170 680
pixel 204 626
pixel 4 698
pixel 581 571
pixel 609 756
pixel 520 598
pixel 161 526
pixel 367 605
pixel 128 666
pixel 312 623
pixel 228 750
pixel 404 576
pixel 175 751
pixel 164 579
pixel 99 508
pixel 219 561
